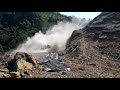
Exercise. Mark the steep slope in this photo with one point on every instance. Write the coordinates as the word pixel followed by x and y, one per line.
pixel 102 33
pixel 94 51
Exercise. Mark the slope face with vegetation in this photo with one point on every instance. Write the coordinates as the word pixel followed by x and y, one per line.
pixel 15 27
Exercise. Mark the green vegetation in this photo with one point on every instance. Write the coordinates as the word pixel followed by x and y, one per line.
pixel 15 27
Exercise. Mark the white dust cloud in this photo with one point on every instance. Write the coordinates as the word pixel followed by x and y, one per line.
pixel 54 39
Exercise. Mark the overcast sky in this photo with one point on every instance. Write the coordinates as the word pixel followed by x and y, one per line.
pixel 87 15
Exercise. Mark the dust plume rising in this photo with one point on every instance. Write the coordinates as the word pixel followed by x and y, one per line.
pixel 54 39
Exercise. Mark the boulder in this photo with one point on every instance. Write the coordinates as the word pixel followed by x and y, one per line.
pixel 15 74
pixel 5 70
pixel 21 62
pixel 1 74
pixel 24 56
pixel 22 65
pixel 6 75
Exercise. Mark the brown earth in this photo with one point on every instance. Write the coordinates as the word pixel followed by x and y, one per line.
pixel 92 67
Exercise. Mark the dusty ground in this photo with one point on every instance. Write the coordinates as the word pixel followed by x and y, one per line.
pixel 92 67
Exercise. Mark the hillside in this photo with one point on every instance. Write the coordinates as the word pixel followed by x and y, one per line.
pixel 95 48
pixel 104 31
pixel 15 27
pixel 91 52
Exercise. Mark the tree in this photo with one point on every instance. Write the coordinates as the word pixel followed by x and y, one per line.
pixel 15 27
pixel 1 49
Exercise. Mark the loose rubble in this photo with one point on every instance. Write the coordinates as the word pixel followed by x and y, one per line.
pixel 17 66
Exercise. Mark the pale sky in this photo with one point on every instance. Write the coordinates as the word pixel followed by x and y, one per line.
pixel 87 15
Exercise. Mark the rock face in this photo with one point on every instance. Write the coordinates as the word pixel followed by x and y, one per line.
pixel 102 33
